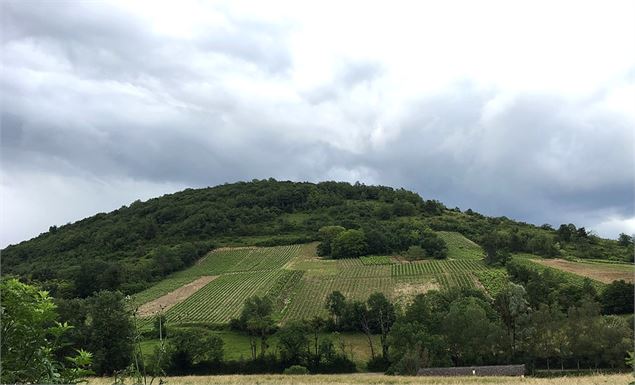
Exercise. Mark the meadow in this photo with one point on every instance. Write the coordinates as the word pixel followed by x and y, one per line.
pixel 377 379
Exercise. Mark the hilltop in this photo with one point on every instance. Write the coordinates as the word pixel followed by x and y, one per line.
pixel 130 248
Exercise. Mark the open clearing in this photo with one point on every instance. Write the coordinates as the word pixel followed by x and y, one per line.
pixel 166 302
pixel 379 379
pixel 603 272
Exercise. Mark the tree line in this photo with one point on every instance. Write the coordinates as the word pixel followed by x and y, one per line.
pixel 411 239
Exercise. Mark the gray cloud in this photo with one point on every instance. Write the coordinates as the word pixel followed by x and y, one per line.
pixel 95 102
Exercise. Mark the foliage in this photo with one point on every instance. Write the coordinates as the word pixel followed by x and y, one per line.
pixel 349 244
pixel 110 332
pixel 494 280
pixel 255 319
pixel 617 298
pixel 189 347
pixel 296 369
pixel 374 260
pixel 31 335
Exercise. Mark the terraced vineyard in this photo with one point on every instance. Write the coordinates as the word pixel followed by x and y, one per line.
pixel 298 281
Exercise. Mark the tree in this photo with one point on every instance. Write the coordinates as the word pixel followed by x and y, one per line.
pixel 469 333
pixel 110 332
pixel 293 342
pixel 434 246
pixel 255 318
pixel 31 337
pixel 565 233
pixel 336 305
pixel 361 315
pixel 617 298
pixel 191 346
pixel 583 329
pixel 625 239
pixel 616 337
pixel 548 337
pixel 382 313
pixel 513 308
pixel 349 244
pixel 316 324
pixel 327 234
pixel 496 251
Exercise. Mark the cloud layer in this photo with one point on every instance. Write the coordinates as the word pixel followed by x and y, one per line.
pixel 509 110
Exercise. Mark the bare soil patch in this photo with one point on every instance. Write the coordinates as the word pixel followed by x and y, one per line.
pixel 172 298
pixel 404 292
pixel 606 273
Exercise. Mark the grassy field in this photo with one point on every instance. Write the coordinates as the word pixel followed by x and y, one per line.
pixel 375 379
pixel 237 345
pixel 299 281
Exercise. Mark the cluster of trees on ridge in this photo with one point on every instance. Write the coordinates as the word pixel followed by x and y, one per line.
pixel 410 239
pixel 136 245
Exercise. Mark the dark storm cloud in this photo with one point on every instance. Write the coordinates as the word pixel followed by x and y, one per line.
pixel 94 98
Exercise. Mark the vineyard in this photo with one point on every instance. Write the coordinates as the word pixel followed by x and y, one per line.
pixel 298 281
pixel 460 247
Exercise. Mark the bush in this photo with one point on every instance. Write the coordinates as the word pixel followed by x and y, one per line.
pixel 408 365
pixel 415 253
pixel 377 364
pixel 296 369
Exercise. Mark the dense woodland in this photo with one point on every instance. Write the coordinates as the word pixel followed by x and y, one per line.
pixel 90 266
pixel 136 245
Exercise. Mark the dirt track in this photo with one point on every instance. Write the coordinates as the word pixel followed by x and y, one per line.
pixel 172 298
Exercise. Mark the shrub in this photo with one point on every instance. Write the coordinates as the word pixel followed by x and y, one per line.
pixel 377 364
pixel 415 253
pixel 296 369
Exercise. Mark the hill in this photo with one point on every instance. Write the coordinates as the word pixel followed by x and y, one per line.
pixel 132 247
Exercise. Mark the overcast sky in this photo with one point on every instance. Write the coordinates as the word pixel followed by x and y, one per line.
pixel 524 109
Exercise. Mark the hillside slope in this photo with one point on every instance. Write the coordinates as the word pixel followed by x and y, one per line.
pixel 131 247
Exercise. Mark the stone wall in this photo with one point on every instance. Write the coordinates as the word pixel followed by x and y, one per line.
pixel 494 370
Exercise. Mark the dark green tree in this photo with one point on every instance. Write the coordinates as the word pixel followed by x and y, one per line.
pixel 382 313
pixel 110 332
pixel 336 305
pixel 327 234
pixel 191 346
pixel 349 244
pixel 617 298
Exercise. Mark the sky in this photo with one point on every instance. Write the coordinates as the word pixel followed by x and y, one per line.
pixel 523 109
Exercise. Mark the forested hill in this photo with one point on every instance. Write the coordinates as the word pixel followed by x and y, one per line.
pixel 131 247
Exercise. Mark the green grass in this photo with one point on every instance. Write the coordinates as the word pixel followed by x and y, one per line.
pixel 460 247
pixel 373 260
pixel 236 344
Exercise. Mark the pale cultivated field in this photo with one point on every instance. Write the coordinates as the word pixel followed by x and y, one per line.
pixel 377 379
pixel 603 272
